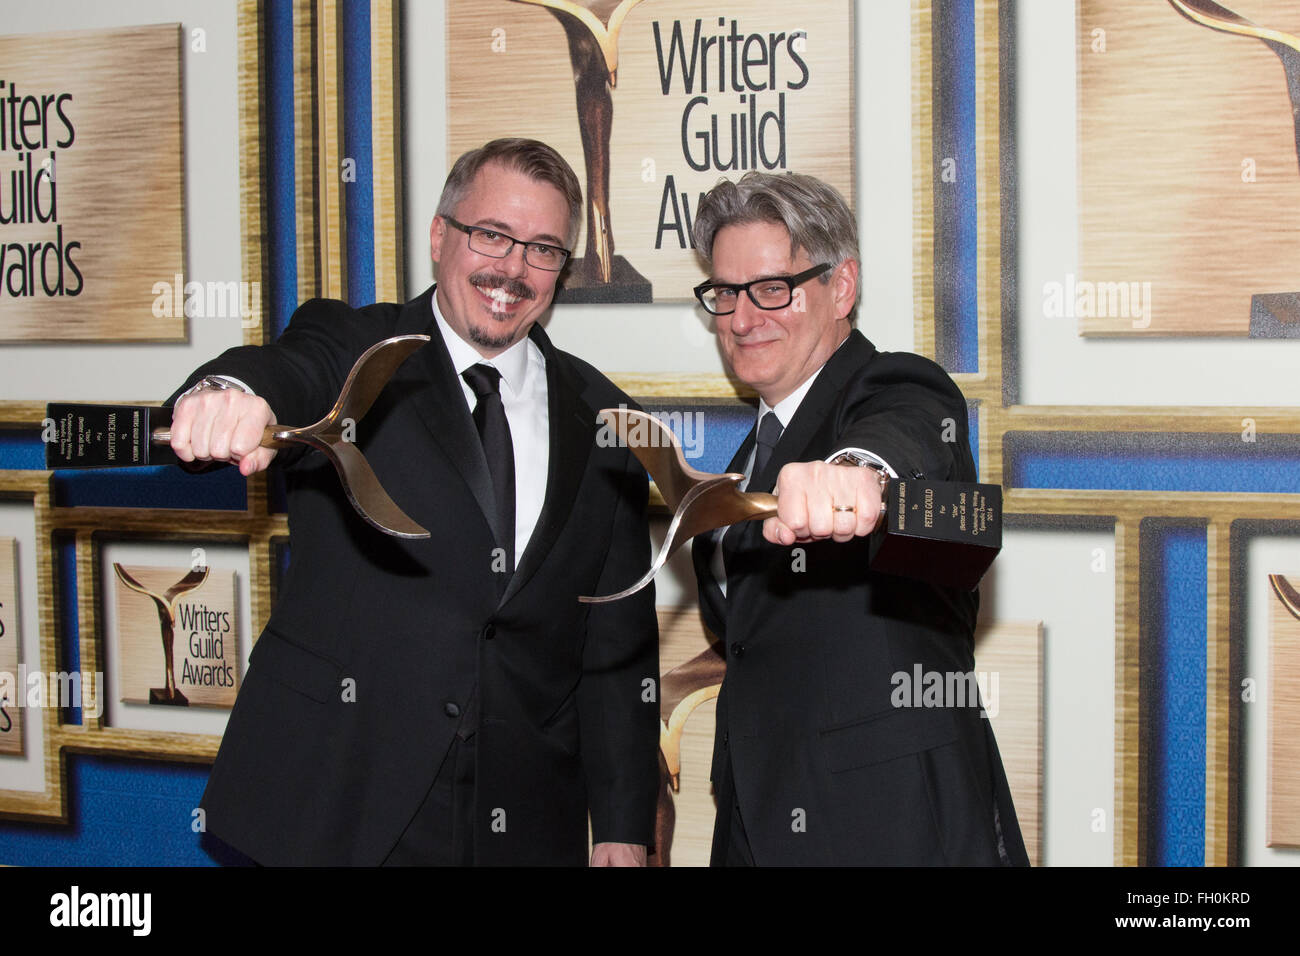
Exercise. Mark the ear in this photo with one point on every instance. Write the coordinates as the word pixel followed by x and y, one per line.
pixel 437 233
pixel 844 287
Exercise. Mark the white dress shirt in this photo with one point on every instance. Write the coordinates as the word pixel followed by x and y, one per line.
pixel 524 395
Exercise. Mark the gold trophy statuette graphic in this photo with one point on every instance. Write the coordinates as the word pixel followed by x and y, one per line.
pixel 1286 593
pixel 165 603
pixel 682 690
pixel 1280 316
pixel 592 28
pixel 1285 45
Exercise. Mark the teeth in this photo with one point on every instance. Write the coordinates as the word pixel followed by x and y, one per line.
pixel 501 296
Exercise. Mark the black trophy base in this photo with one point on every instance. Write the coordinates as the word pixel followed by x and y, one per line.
pixel 105 436
pixel 944 532
pixel 625 285
pixel 158 695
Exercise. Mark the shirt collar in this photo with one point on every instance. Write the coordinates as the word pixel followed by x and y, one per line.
pixel 786 408
pixel 512 363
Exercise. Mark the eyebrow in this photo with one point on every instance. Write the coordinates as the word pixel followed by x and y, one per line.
pixel 770 275
pixel 545 237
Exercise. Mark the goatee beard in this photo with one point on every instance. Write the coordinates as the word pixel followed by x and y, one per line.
pixel 487 340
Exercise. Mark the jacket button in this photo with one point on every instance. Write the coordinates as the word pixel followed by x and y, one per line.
pixel 489 632
pixel 451 709
pixel 737 649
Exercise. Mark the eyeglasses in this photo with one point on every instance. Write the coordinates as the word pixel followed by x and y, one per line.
pixel 772 292
pixel 497 245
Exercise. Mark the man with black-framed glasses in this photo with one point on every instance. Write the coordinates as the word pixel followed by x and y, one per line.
pixel 449 700
pixel 817 757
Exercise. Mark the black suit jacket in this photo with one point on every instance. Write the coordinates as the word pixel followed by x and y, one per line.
pixel 366 668
pixel 826 770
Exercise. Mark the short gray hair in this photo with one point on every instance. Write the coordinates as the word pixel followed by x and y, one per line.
pixel 813 212
pixel 534 159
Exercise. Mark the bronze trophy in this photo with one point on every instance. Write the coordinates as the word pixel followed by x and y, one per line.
pixel 945 532
pixel 592 28
pixel 165 603
pixel 115 436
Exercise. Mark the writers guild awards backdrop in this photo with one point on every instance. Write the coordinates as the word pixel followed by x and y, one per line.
pixel 176 636
pixel 1188 167
pixel 652 102
pixel 11 727
pixel 90 184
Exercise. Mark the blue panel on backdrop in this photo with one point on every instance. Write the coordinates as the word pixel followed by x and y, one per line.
pixel 1153 461
pixel 360 194
pixel 1174 588
pixel 710 434
pixel 956 218
pixel 281 204
pixel 21 449
pixel 69 636
pixel 160 486
pixel 122 813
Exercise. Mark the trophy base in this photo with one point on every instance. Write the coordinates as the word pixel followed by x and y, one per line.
pixel 1275 315
pixel 106 436
pixel 625 285
pixel 944 532
pixel 158 695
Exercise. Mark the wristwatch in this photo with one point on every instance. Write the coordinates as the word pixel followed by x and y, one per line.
pixel 215 383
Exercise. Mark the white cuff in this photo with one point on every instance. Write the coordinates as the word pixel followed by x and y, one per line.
pixel 870 456
pixel 208 381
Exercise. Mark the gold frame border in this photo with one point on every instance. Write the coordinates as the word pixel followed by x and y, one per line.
pixel 34 486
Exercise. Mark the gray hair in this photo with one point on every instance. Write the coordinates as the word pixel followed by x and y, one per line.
pixel 813 212
pixel 528 156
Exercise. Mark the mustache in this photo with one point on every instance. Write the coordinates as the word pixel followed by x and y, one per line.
pixel 508 284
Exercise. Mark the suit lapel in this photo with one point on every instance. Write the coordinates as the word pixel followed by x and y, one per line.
pixel 731 536
pixel 572 424
pixel 853 353
pixel 442 407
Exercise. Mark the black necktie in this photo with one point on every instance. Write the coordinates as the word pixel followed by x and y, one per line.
pixel 769 433
pixel 494 432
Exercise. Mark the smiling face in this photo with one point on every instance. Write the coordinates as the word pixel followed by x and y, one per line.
pixel 775 351
pixel 492 303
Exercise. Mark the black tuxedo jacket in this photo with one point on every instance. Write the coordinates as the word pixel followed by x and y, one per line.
pixel 825 768
pixel 367 666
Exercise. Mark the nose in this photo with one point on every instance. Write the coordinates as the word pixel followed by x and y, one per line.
pixel 746 317
pixel 513 264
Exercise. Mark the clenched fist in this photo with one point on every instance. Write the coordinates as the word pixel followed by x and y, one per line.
pixel 214 424
pixel 816 500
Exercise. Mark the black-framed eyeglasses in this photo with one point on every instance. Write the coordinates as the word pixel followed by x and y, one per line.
pixel 494 243
pixel 772 292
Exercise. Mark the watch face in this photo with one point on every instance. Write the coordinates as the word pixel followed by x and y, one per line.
pixel 852 458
